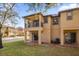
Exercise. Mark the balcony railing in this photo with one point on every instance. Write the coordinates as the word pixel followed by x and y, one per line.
pixel 33 25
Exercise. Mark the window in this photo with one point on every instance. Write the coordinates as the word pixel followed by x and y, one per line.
pixel 69 15
pixel 45 20
pixel 36 23
pixel 55 20
pixel 70 37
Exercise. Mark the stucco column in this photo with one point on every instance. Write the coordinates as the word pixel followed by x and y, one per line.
pixel 77 37
pixel 62 37
pixel 40 20
pixel 39 31
pixel 49 27
pixel 25 35
pixel 39 37
pixel 29 36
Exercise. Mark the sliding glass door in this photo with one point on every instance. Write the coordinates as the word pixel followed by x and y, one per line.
pixel 70 37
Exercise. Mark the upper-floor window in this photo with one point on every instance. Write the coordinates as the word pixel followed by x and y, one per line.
pixel 69 15
pixel 55 20
pixel 35 23
pixel 45 20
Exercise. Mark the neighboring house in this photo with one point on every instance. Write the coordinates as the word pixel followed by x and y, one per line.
pixel 11 31
pixel 62 28
pixel 8 31
pixel 5 31
pixel 19 31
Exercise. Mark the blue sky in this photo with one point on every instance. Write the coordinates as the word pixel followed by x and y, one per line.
pixel 21 9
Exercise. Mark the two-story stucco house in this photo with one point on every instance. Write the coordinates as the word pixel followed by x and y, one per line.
pixel 45 29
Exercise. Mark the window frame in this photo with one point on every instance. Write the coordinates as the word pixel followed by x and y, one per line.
pixel 57 20
pixel 69 17
pixel 35 23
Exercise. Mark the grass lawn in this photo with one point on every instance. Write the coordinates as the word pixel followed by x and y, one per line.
pixel 19 48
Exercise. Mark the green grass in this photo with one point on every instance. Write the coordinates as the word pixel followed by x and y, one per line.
pixel 19 48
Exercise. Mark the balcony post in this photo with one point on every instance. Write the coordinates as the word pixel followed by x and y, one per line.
pixel 25 35
pixel 39 37
pixel 40 20
pixel 39 31
pixel 62 37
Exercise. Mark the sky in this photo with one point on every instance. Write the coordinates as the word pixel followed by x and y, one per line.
pixel 21 9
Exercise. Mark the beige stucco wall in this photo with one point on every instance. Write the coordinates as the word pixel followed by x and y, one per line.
pixel 55 31
pixel 68 24
pixel 46 34
pixel 78 37
pixel 28 37
pixel 50 31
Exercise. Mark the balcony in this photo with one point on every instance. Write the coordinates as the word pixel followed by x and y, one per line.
pixel 33 26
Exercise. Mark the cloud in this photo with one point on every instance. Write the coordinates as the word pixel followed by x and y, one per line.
pixel 70 6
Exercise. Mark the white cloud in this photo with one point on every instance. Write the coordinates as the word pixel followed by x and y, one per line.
pixel 68 7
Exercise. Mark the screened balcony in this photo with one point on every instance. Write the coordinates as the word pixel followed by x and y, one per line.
pixel 34 23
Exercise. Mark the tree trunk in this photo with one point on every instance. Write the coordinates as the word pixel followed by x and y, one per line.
pixel 1 46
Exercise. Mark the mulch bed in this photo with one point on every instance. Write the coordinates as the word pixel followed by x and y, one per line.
pixel 55 45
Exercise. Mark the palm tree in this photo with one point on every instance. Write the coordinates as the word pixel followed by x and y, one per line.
pixel 7 14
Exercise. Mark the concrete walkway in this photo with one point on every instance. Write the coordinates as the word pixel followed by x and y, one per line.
pixel 12 39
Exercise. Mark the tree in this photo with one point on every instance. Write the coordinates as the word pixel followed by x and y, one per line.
pixel 7 14
pixel 40 7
